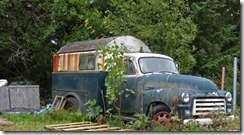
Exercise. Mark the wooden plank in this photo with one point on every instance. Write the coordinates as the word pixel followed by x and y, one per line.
pixel 65 124
pixel 104 129
pixel 83 128
pixel 75 126
pixel 59 102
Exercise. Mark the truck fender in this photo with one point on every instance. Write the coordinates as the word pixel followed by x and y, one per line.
pixel 153 104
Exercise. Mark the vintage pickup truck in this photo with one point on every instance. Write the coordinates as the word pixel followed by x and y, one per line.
pixel 160 91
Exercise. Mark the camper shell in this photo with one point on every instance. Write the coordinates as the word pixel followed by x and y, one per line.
pixel 160 91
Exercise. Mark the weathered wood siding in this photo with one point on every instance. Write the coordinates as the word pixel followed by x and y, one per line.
pixel 21 96
pixel 4 98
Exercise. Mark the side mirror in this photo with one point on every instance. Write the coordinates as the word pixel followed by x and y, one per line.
pixel 177 65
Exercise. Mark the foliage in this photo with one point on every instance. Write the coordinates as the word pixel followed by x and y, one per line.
pixel 77 20
pixel 114 64
pixel 219 123
pixel 22 122
pixel 163 26
pixel 25 41
pixel 64 115
pixel 193 126
pixel 114 122
pixel 218 39
pixel 36 122
pixel 93 109
pixel 141 123
pixel 203 36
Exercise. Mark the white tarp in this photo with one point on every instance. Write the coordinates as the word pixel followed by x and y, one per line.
pixel 130 44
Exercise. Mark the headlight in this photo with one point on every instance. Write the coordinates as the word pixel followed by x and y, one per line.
pixel 228 96
pixel 185 97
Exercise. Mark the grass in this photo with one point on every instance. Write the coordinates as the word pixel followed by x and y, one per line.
pixel 36 122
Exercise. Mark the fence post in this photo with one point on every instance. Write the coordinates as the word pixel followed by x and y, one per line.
pixel 234 84
pixel 223 78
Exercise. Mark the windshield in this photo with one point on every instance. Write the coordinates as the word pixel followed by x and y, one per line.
pixel 157 64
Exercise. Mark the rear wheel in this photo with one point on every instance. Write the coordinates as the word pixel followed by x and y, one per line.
pixel 71 104
pixel 161 114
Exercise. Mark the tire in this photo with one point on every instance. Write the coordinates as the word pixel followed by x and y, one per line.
pixel 78 104
pixel 71 104
pixel 161 114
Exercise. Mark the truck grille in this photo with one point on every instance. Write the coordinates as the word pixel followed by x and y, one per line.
pixel 208 105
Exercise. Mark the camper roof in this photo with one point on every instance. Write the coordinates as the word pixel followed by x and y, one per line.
pixel 128 43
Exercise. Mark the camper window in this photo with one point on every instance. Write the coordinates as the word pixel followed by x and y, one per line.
pixel 87 62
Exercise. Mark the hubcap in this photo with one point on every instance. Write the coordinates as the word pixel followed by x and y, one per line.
pixel 162 118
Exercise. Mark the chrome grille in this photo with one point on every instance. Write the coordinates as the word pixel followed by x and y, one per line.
pixel 207 105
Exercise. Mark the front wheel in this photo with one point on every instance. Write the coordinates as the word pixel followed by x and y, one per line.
pixel 161 114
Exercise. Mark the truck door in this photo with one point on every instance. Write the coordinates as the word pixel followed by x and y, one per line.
pixel 128 104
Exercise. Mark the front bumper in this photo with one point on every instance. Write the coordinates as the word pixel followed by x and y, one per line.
pixel 205 121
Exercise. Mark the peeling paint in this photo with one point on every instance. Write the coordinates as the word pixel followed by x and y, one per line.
pixel 173 86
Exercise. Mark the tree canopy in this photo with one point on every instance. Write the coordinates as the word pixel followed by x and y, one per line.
pixel 203 36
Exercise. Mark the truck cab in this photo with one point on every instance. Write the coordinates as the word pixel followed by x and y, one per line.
pixel 159 90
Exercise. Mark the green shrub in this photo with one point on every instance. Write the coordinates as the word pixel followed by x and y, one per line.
pixel 64 115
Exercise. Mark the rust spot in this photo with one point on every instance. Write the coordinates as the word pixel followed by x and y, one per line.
pixel 69 62
pixel 103 61
pixel 55 62
pixel 175 100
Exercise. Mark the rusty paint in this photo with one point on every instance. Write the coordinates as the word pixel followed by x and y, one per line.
pixel 175 100
pixel 103 60
pixel 69 62
pixel 76 66
pixel 55 62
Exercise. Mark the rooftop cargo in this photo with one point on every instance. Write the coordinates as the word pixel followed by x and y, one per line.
pixel 128 43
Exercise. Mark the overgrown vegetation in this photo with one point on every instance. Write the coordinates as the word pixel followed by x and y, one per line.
pixel 93 110
pixel 142 123
pixel 113 63
pixel 203 36
pixel 36 122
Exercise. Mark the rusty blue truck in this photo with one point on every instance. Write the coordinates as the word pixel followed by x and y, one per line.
pixel 160 91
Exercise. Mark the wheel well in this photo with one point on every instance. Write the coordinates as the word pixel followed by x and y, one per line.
pixel 80 102
pixel 72 94
pixel 156 103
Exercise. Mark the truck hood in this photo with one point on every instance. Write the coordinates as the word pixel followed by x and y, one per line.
pixel 178 81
